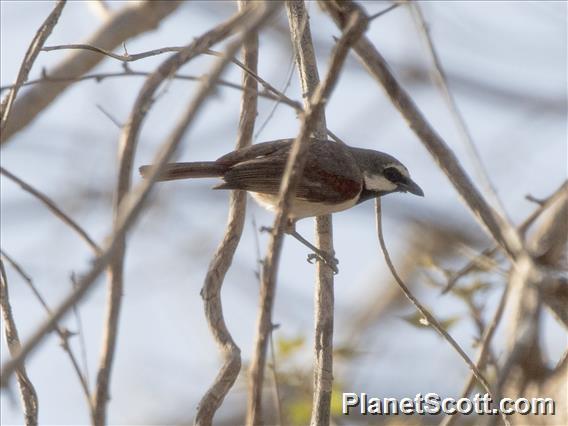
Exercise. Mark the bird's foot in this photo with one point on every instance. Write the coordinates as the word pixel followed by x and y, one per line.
pixel 328 258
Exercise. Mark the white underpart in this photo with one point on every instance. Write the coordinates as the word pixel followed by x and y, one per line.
pixel 302 208
pixel 381 183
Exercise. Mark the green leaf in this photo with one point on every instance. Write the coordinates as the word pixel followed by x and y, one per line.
pixel 288 347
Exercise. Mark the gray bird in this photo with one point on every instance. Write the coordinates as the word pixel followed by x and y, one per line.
pixel 336 177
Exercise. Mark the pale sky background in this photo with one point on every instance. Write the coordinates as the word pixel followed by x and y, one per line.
pixel 166 357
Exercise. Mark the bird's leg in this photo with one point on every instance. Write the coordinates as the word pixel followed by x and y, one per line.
pixel 328 258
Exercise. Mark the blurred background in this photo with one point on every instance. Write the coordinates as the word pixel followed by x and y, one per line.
pixel 506 66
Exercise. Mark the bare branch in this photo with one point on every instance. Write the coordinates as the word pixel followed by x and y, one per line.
pixel 439 76
pixel 222 259
pixel 292 175
pixel 428 317
pixel 127 57
pixel 33 50
pixel 522 229
pixel 27 390
pixel 323 292
pixel 127 147
pixel 484 351
pixel 502 231
pixel 52 206
pixel 133 204
pixel 62 332
pixel 133 19
pixel 131 73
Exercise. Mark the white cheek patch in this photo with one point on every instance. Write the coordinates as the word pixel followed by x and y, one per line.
pixel 378 183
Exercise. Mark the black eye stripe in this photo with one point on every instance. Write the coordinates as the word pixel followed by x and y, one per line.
pixel 392 174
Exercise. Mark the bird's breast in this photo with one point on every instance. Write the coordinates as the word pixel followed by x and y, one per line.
pixel 302 208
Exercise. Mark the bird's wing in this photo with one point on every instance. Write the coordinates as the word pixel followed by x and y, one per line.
pixel 256 151
pixel 330 175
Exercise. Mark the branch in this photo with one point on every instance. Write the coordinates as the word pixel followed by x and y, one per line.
pixel 522 229
pixel 128 22
pixel 62 332
pixel 440 78
pixel 131 73
pixel 33 50
pixel 135 201
pixel 502 231
pixel 52 206
pixel 428 317
pixel 27 390
pixel 222 259
pixel 484 351
pixel 323 292
pixel 292 175
pixel 127 146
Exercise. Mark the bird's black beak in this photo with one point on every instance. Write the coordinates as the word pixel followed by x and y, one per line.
pixel 412 187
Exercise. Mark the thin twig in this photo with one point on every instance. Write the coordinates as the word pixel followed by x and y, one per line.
pixel 62 332
pixel 31 54
pixel 484 350
pixel 498 227
pixel 127 149
pixel 52 206
pixel 81 335
pixel 272 111
pixel 28 393
pixel 223 257
pixel 134 203
pixel 442 83
pixel 130 21
pixel 292 175
pixel 269 90
pixel 522 229
pixel 124 58
pixel 428 317
pixel 98 77
pixel 383 12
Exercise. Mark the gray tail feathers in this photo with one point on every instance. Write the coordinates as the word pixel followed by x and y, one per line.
pixel 174 171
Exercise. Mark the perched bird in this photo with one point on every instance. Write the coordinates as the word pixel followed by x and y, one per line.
pixel 336 177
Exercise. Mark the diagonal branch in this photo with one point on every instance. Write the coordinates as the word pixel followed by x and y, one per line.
pixel 292 175
pixel 442 82
pixel 134 203
pixel 54 208
pixel 33 50
pixel 222 259
pixel 128 22
pixel 62 332
pixel 427 316
pixel 127 149
pixel 501 230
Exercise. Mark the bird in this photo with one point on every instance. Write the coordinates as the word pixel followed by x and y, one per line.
pixel 336 177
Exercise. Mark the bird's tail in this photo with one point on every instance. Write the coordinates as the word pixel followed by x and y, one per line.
pixel 174 171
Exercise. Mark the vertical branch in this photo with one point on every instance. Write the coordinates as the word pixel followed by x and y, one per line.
pixel 33 50
pixel 27 390
pixel 127 148
pixel 211 291
pixel 300 32
pixel 292 175
pixel 134 203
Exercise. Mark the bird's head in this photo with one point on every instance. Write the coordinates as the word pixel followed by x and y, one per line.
pixel 383 174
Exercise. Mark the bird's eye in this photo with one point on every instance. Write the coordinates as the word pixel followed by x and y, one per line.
pixel 393 174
